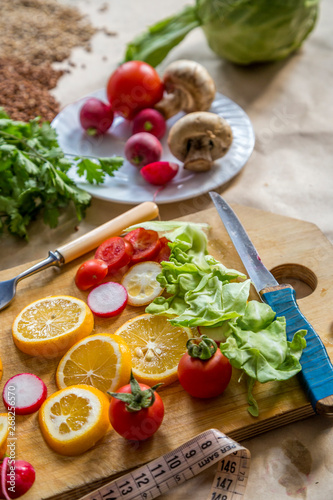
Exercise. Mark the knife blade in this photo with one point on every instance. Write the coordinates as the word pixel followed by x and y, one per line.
pixel 317 369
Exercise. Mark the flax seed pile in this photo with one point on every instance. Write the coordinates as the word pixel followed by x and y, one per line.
pixel 33 35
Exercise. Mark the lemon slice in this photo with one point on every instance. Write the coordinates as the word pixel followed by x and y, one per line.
pixel 73 419
pixel 156 347
pixel 4 430
pixel 102 361
pixel 49 326
pixel 140 283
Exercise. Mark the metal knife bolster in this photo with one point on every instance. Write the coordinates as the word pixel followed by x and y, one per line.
pixel 317 369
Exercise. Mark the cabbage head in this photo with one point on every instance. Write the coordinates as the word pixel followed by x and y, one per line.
pixel 241 31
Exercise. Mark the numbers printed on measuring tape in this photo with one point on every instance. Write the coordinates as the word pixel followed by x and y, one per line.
pixel 173 468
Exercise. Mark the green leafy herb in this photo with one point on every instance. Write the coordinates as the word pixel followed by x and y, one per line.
pixel 33 175
pixel 202 292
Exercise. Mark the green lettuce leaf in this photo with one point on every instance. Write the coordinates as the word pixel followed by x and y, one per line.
pixel 258 345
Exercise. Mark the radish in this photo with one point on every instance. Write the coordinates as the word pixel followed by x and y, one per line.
pixel 25 392
pixel 159 172
pixel 149 120
pixel 108 299
pixel 17 477
pixel 96 117
pixel 143 148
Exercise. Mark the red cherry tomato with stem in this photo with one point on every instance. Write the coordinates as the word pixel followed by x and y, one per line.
pixel 136 411
pixel 145 242
pixel 116 252
pixel 133 86
pixel 91 273
pixel 204 372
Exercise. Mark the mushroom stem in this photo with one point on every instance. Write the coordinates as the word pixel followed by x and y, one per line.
pixel 199 157
pixel 170 105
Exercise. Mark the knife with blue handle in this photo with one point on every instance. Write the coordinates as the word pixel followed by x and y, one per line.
pixel 317 369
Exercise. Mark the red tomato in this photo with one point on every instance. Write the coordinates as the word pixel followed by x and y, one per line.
pixel 204 378
pixel 133 86
pixel 116 252
pixel 136 425
pixel 145 242
pixel 91 273
pixel 165 250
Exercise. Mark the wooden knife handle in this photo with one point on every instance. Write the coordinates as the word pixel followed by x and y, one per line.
pixel 141 213
pixel 317 369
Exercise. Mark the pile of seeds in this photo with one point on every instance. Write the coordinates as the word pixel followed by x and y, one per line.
pixel 33 35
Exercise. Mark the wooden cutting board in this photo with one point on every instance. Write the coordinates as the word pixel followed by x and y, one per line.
pixel 297 249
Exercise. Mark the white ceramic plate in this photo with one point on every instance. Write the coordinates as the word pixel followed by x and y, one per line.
pixel 128 186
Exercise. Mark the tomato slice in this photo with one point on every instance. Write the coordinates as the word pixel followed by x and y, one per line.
pixel 145 242
pixel 165 251
pixel 115 252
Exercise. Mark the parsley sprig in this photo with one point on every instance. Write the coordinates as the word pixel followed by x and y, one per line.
pixel 33 175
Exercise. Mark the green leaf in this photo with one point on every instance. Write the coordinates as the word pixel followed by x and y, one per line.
pixel 154 45
pixel 91 171
pixel 110 165
pixel 22 160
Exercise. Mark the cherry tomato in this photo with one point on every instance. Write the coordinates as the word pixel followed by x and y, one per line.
pixel 136 425
pixel 145 242
pixel 133 86
pixel 204 378
pixel 165 250
pixel 116 252
pixel 90 273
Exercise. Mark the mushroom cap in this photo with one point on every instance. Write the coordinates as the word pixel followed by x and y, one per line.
pixel 193 81
pixel 210 128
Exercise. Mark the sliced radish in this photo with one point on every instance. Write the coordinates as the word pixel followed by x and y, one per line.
pixel 108 299
pixel 25 392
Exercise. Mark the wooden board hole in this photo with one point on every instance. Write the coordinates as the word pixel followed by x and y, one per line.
pixel 301 278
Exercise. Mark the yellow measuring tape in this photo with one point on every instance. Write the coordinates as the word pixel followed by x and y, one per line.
pixel 177 466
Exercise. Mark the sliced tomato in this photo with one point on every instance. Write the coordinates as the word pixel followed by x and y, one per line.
pixel 115 252
pixel 165 251
pixel 145 242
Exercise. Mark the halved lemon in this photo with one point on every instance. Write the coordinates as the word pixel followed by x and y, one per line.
pixel 4 430
pixel 73 419
pixel 141 284
pixel 102 361
pixel 156 347
pixel 50 326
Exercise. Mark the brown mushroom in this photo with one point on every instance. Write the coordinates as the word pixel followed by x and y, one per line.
pixel 189 88
pixel 199 138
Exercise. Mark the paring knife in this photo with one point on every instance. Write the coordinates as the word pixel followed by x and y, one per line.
pixel 317 369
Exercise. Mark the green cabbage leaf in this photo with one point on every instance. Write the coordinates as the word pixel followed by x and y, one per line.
pixel 241 31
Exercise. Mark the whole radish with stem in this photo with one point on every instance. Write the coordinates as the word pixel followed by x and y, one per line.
pixel 17 477
pixel 151 121
pixel 143 148
pixel 96 117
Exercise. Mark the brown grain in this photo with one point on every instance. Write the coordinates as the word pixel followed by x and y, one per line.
pixel 33 35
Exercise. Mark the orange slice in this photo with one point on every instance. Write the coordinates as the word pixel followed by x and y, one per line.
pixel 73 419
pixel 156 347
pixel 4 430
pixel 141 284
pixel 49 326
pixel 102 361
